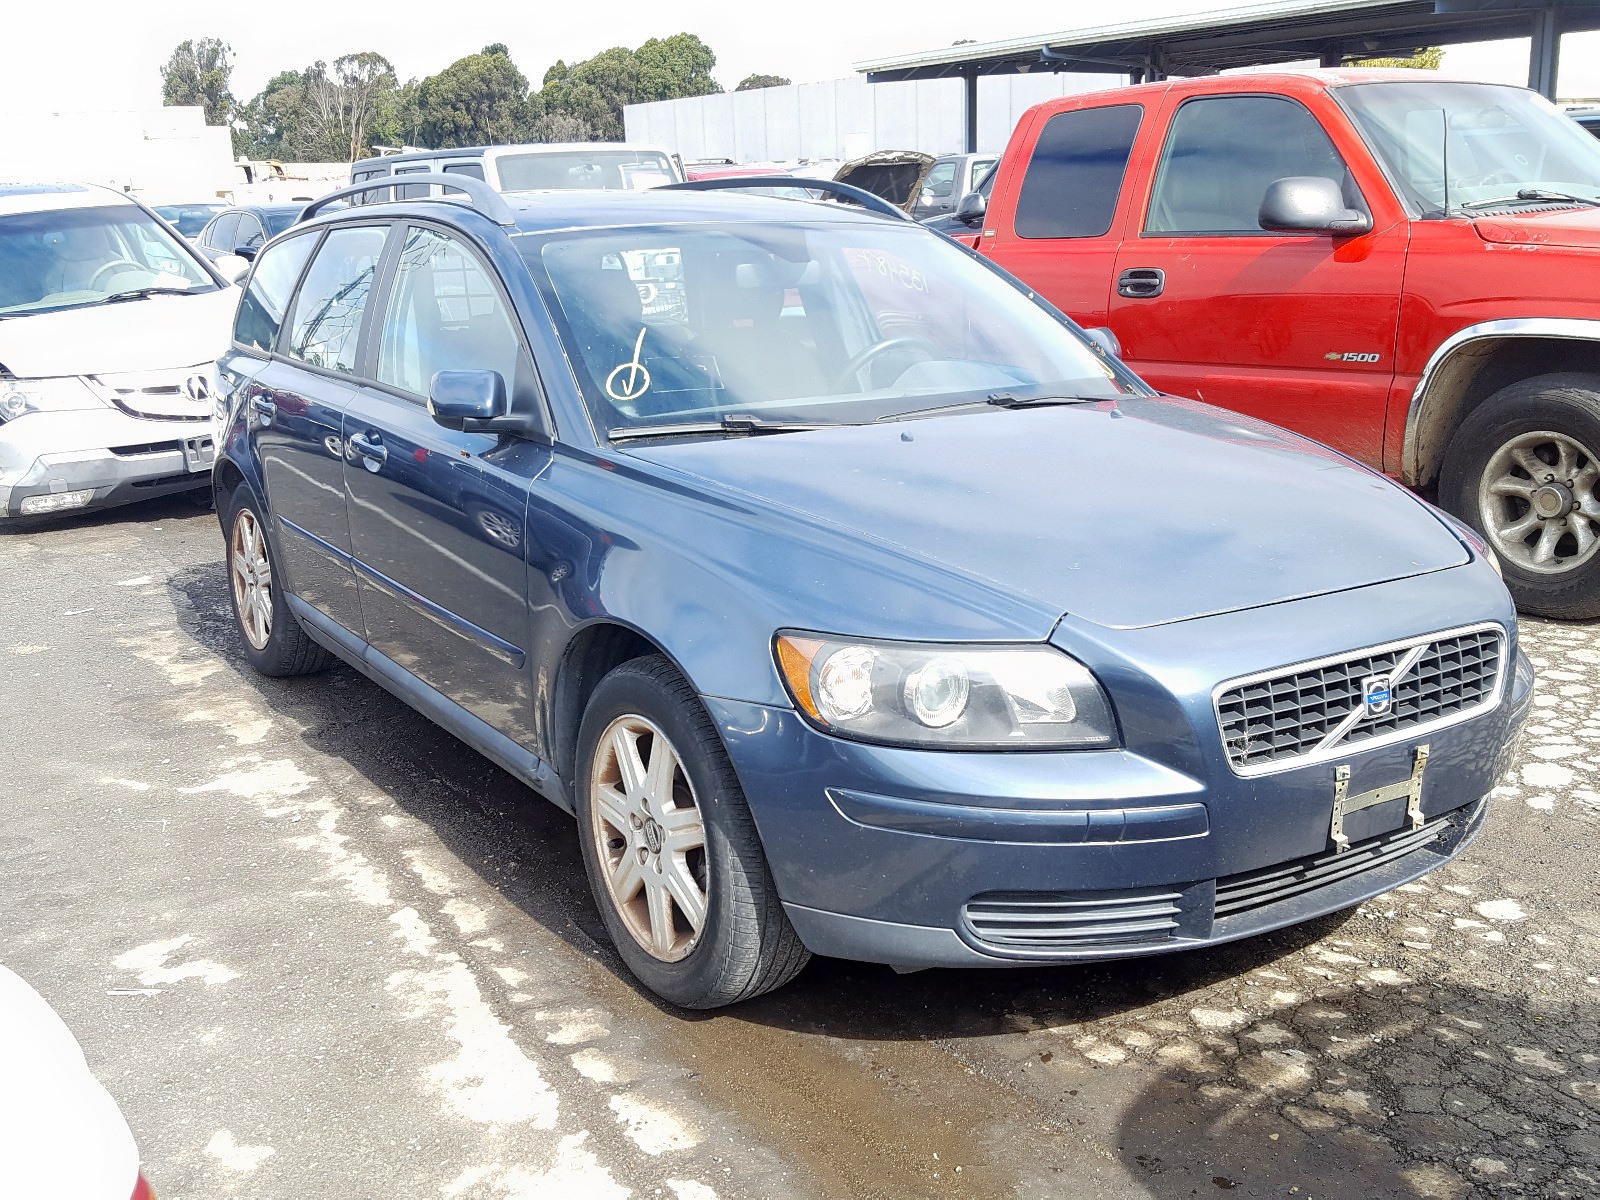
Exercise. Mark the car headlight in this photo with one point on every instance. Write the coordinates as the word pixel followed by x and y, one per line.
pixel 946 697
pixel 64 394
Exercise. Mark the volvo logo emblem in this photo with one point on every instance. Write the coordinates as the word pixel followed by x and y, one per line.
pixel 197 388
pixel 1377 695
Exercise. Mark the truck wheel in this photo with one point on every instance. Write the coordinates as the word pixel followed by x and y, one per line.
pixel 1524 470
pixel 670 848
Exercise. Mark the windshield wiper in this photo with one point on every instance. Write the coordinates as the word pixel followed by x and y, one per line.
pixel 732 423
pixel 142 293
pixel 998 400
pixel 1537 195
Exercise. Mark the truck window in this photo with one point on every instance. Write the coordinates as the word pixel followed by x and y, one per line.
pixel 1222 152
pixel 1075 175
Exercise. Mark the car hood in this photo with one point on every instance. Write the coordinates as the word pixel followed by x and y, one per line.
pixel 1130 514
pixel 136 335
pixel 896 175
pixel 1579 228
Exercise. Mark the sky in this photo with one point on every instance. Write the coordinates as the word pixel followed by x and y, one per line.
pixel 113 57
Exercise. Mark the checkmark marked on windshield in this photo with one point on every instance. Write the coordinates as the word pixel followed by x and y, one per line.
pixel 638 381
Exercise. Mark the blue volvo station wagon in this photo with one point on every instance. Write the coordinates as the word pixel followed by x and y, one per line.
pixel 853 600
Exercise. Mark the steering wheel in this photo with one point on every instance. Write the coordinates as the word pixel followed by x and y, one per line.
pixel 115 265
pixel 877 350
pixel 1492 179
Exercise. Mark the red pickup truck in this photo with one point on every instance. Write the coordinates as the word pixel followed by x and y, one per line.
pixel 1400 265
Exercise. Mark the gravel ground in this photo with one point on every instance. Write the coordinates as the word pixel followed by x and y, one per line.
pixel 318 948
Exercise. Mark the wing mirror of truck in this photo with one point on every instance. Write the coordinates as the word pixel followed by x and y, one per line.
pixel 1309 204
pixel 972 209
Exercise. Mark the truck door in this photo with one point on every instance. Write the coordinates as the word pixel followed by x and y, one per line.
pixel 1059 237
pixel 1298 329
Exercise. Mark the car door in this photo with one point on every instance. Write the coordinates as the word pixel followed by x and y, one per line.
pixel 295 407
pixel 1298 329
pixel 938 190
pixel 438 517
pixel 1057 229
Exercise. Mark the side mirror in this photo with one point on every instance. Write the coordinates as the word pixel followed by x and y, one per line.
pixel 468 400
pixel 1309 204
pixel 231 267
pixel 246 251
pixel 972 209
pixel 1101 336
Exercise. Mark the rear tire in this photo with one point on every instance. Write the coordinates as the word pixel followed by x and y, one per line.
pixel 272 640
pixel 1522 470
pixel 714 932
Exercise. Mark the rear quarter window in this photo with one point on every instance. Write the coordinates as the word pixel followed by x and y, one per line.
pixel 1076 172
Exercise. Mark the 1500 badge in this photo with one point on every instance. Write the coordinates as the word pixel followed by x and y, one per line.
pixel 1351 356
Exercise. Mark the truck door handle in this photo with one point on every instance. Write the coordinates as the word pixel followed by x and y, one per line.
pixel 370 447
pixel 265 409
pixel 1141 283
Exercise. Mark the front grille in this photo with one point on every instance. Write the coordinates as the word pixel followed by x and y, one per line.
pixel 1064 920
pixel 1270 720
pixel 1269 885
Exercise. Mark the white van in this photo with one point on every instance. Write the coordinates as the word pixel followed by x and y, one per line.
pixel 110 325
pixel 584 166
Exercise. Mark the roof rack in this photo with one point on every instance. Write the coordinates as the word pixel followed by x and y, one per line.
pixel 480 196
pixel 844 191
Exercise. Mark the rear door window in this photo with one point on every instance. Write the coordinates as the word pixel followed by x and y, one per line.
pixel 266 298
pixel 1075 175
pixel 1221 154
pixel 220 235
pixel 327 313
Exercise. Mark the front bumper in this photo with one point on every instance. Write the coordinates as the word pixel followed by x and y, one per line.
pixel 116 457
pixel 923 859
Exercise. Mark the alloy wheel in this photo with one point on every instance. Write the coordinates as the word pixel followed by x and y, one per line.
pixel 1540 500
pixel 650 837
pixel 251 573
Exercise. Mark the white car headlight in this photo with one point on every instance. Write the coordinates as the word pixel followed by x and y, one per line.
pixel 946 697
pixel 63 394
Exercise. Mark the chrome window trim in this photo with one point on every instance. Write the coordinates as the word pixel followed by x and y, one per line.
pixel 1344 749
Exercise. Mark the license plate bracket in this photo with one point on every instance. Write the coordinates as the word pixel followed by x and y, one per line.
pixel 199 453
pixel 1410 790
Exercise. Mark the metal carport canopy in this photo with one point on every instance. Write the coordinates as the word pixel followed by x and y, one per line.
pixel 1259 35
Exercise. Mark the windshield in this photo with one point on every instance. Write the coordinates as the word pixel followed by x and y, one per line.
pixel 822 324
pixel 1455 146
pixel 585 170
pixel 188 219
pixel 75 257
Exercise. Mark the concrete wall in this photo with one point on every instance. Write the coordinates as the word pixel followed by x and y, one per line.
pixel 162 155
pixel 845 118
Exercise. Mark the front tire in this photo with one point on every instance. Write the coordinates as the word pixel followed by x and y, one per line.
pixel 1523 471
pixel 273 641
pixel 670 848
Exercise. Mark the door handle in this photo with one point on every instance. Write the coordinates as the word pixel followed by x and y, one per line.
pixel 264 408
pixel 1141 283
pixel 371 449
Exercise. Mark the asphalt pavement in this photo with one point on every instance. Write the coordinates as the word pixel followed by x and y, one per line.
pixel 315 947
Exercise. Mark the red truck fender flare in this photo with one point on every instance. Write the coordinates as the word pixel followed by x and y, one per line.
pixel 1436 404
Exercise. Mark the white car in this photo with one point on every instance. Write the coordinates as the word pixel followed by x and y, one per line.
pixel 61 1134
pixel 110 325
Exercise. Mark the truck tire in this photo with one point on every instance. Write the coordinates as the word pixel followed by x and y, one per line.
pixel 1522 470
